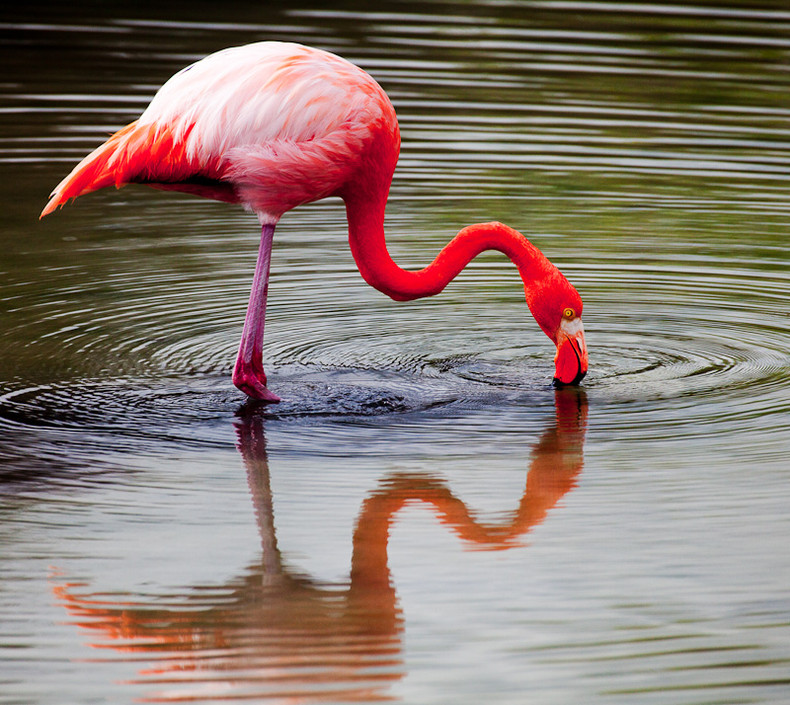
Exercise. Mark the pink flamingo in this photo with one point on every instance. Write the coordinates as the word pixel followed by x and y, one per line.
pixel 274 125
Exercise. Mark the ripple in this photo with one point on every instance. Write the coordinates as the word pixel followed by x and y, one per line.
pixel 710 331
pixel 697 335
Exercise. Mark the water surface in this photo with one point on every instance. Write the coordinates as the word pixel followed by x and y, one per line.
pixel 424 518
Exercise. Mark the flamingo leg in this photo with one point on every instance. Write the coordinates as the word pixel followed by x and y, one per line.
pixel 248 374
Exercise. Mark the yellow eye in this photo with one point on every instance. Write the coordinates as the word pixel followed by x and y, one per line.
pixel 569 313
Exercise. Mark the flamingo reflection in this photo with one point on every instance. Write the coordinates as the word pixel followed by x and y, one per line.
pixel 279 635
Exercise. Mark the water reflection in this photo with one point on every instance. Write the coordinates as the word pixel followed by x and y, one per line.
pixel 276 633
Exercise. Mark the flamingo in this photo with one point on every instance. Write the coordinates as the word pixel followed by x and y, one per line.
pixel 273 125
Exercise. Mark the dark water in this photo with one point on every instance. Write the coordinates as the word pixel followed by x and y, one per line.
pixel 423 519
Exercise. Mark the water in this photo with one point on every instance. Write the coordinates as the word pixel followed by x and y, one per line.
pixel 423 519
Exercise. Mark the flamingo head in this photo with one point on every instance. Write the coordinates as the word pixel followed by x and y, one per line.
pixel 570 362
pixel 557 308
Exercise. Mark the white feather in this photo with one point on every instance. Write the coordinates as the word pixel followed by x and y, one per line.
pixel 262 93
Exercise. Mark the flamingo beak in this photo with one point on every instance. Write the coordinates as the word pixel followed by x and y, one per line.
pixel 571 358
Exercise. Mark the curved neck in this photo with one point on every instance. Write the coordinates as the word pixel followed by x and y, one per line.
pixel 368 246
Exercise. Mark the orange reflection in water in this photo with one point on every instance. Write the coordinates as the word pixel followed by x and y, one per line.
pixel 276 635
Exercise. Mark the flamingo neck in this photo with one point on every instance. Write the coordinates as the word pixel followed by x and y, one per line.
pixel 368 246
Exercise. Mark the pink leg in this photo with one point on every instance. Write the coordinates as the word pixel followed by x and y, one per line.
pixel 248 374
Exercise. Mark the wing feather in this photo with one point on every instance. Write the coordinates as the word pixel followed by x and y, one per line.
pixel 273 119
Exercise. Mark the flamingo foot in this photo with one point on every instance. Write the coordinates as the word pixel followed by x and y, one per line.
pixel 253 383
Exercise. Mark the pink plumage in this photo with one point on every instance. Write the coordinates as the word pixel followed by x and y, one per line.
pixel 271 125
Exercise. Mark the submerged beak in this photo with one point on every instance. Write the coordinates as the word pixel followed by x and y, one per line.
pixel 571 359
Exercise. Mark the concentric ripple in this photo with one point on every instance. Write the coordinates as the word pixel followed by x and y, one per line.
pixel 708 331
pixel 157 335
pixel 699 339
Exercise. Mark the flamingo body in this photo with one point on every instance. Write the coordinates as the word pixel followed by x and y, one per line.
pixel 270 125
pixel 274 125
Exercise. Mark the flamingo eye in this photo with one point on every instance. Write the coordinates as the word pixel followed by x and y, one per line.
pixel 569 313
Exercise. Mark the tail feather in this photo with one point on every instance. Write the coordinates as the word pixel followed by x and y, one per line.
pixel 94 172
pixel 136 153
